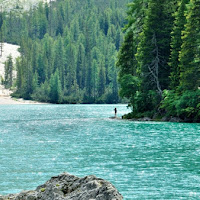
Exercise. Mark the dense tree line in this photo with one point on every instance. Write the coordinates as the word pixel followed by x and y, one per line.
pixel 159 60
pixel 8 79
pixel 68 50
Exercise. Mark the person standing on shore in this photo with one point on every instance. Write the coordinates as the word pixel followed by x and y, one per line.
pixel 115 112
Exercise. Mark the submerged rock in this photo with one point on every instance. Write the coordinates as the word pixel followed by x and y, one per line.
pixel 175 119
pixel 69 187
pixel 171 119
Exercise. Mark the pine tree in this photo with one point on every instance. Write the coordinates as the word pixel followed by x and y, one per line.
pixel 1 19
pixel 114 83
pixel 127 62
pixel 8 81
pixel 19 80
pixel 176 42
pixel 126 57
pixel 27 84
pixel 71 38
pixel 41 68
pixel 35 82
pixel 102 80
pixel 190 54
pixel 89 75
pixel 41 21
pixel 94 78
pixel 48 51
pixel 70 69
pixel 59 62
pixel 80 70
pixel 154 47
pixel 55 88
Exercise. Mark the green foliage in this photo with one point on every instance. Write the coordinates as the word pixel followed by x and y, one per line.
pixel 162 54
pixel 8 81
pixel 72 43
pixel 185 106
pixel 145 104
pixel 55 93
pixel 42 93
pixel 126 60
pixel 128 76
pixel 190 54
pixel 102 81
pixel 183 100
pixel 154 47
pixel 129 85
pixel 144 55
pixel 176 42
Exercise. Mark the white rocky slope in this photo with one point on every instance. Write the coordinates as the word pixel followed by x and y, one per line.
pixel 8 49
pixel 5 94
pixel 5 98
pixel 20 4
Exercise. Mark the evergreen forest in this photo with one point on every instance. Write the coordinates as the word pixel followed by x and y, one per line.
pixel 159 60
pixel 68 50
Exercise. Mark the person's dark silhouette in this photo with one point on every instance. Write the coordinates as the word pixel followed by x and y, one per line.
pixel 115 112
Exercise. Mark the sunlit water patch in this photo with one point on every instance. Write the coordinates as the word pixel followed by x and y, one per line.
pixel 144 160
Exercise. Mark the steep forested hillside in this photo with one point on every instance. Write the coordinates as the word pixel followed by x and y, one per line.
pixel 159 60
pixel 68 50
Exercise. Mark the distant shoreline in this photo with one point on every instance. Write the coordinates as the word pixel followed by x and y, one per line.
pixel 7 100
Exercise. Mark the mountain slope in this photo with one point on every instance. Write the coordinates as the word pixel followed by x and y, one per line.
pixel 8 49
pixel 11 5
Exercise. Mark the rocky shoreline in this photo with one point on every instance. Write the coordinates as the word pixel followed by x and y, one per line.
pixel 160 118
pixel 163 119
pixel 70 187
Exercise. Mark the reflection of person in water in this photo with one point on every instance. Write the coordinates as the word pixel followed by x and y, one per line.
pixel 115 112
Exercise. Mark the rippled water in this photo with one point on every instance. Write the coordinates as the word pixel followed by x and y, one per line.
pixel 144 160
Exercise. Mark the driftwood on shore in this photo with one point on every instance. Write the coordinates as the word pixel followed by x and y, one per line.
pixel 69 187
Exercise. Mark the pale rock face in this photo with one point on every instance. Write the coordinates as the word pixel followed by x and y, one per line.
pixel 8 49
pixel 14 5
pixel 69 187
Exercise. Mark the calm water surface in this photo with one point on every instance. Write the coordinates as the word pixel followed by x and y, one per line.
pixel 144 160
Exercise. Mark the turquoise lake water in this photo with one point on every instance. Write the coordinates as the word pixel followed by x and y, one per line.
pixel 144 160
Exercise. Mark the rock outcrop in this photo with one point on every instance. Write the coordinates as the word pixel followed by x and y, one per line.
pixel 69 187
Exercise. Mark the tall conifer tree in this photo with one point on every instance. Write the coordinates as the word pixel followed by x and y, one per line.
pixel 179 23
pixel 190 53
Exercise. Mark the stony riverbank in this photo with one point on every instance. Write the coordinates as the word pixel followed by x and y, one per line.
pixel 70 187
pixel 163 119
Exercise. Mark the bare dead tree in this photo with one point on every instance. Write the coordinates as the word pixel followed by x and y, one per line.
pixel 154 66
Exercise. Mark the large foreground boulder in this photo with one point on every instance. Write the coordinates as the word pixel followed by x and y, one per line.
pixel 69 187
